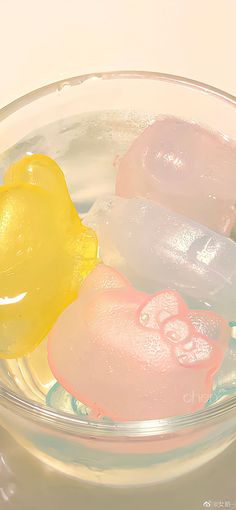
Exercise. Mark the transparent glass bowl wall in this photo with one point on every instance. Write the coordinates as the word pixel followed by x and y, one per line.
pixel 121 453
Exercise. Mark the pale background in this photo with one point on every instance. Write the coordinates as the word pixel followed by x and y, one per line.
pixel 46 40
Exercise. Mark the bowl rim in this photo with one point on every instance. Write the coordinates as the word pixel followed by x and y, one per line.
pixel 72 423
pixel 59 85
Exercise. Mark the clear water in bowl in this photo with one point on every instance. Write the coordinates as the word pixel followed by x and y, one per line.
pixel 86 147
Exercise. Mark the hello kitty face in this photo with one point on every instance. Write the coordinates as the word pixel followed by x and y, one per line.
pixel 131 356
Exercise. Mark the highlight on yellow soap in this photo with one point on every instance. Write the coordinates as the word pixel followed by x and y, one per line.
pixel 46 252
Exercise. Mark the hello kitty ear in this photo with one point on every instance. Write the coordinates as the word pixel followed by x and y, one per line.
pixel 209 324
pixel 161 306
pixel 104 277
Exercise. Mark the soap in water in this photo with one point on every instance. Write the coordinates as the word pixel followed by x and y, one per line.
pixel 185 167
pixel 46 252
pixel 131 356
pixel 155 248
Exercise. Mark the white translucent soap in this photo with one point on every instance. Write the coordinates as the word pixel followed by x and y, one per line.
pixel 157 248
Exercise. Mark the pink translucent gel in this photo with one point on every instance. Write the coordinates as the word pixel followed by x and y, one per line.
pixel 184 167
pixel 132 356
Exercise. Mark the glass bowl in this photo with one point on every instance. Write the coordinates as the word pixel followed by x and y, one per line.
pixel 84 122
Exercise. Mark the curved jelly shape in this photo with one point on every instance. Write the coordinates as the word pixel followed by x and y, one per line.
pixel 45 253
pixel 61 400
pixel 155 247
pixel 225 378
pixel 129 356
pixel 184 167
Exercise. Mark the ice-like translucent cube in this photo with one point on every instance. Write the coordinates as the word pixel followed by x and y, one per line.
pixel 184 167
pixel 155 248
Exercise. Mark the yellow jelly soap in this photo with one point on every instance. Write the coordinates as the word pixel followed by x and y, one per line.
pixel 46 252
